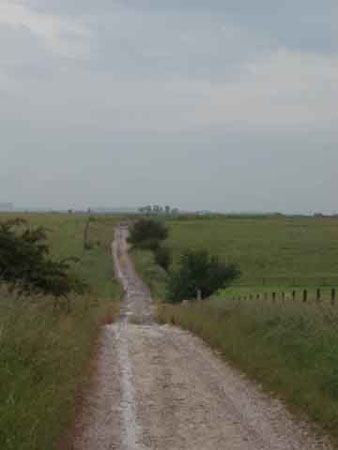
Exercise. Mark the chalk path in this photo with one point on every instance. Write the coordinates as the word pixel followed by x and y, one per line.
pixel 158 387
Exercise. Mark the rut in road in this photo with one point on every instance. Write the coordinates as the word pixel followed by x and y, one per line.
pixel 158 387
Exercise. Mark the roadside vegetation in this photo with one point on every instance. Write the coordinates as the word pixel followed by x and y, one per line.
pixel 27 268
pixel 198 275
pixel 151 258
pixel 45 351
pixel 151 273
pixel 288 346
pixel 149 234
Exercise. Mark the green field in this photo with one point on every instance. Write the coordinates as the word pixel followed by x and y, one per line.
pixel 274 253
pixel 45 353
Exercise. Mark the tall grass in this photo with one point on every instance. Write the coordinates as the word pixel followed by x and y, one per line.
pixel 291 348
pixel 152 274
pixel 44 352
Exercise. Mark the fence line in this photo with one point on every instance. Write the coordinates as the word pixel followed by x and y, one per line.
pixel 303 296
pixel 296 281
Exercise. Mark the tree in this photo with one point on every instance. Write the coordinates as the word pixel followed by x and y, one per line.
pixel 199 271
pixel 25 265
pixel 147 233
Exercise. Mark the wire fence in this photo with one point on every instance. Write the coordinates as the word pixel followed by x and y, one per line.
pixel 318 295
pixel 289 281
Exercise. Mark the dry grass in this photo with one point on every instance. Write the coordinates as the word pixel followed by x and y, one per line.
pixel 44 352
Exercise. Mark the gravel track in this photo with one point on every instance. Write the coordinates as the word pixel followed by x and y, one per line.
pixel 158 387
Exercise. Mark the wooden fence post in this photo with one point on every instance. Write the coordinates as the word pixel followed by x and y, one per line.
pixel 86 240
pixel 274 296
pixel 318 295
pixel 333 296
pixel 293 295
pixel 305 296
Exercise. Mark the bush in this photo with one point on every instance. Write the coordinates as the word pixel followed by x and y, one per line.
pixel 198 270
pixel 163 257
pixel 26 267
pixel 147 233
pixel 148 244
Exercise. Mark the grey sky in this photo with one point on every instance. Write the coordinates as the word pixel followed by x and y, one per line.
pixel 225 104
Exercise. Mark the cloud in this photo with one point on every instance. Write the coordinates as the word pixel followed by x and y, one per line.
pixel 148 70
pixel 285 88
pixel 298 24
pixel 66 37
pixel 153 101
pixel 138 44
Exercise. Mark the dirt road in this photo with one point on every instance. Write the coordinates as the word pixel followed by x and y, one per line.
pixel 158 387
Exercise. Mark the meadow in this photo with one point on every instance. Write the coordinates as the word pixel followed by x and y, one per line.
pixel 274 253
pixel 45 353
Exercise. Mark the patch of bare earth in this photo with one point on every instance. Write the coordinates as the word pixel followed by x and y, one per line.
pixel 158 387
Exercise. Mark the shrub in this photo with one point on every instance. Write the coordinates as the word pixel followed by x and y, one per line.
pixel 147 233
pixel 198 270
pixel 149 244
pixel 26 267
pixel 163 257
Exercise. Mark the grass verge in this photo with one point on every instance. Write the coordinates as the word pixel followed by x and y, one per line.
pixel 44 353
pixel 151 273
pixel 290 348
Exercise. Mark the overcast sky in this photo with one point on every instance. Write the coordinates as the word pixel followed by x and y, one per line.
pixel 229 105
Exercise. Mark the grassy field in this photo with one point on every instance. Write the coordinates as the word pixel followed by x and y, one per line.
pixel 272 252
pixel 45 353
